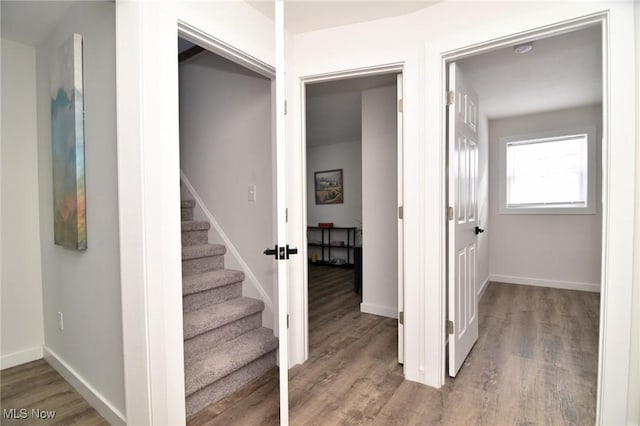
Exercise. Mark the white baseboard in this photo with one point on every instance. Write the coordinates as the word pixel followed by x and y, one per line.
pixel 565 285
pixel 385 311
pixel 93 397
pixel 20 357
pixel 483 288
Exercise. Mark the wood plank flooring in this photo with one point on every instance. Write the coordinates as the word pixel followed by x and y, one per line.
pixel 37 386
pixel 535 362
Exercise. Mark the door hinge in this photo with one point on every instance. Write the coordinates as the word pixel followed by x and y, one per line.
pixel 401 318
pixel 287 320
pixel 451 97
pixel 400 212
pixel 285 107
pixel 400 105
pixel 286 215
pixel 450 327
pixel 450 213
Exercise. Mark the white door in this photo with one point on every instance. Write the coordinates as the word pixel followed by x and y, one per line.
pixel 400 227
pixel 282 247
pixel 462 218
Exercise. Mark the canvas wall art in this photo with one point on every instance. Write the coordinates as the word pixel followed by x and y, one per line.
pixel 329 187
pixel 67 139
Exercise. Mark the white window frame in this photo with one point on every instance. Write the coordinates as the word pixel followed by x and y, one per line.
pixel 592 173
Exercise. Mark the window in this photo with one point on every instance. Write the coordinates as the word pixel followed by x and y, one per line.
pixel 549 174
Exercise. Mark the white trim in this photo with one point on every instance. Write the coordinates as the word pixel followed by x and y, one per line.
pixel 538 282
pixel 483 288
pixel 300 340
pixel 592 171
pixel 93 397
pixel 619 118
pixel 21 357
pixel 219 47
pixel 385 311
pixel 231 249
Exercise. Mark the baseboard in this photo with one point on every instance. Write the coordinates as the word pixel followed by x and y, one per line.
pixel 93 397
pixel 565 285
pixel 385 311
pixel 231 249
pixel 483 288
pixel 20 357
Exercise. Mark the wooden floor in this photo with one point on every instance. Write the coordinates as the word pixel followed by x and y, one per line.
pixel 535 362
pixel 37 386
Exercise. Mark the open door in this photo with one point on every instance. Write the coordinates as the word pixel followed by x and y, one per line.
pixel 462 325
pixel 400 226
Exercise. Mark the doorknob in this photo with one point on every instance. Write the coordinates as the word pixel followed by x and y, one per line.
pixel 479 230
pixel 290 251
pixel 272 252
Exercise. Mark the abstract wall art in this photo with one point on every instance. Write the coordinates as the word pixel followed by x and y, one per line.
pixel 67 139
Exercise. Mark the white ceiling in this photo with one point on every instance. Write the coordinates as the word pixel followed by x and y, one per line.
pixel 334 109
pixel 560 72
pixel 310 15
pixel 30 22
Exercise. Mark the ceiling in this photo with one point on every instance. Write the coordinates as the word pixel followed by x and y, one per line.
pixel 560 72
pixel 334 109
pixel 310 15
pixel 30 22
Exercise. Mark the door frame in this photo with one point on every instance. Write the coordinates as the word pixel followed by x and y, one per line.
pixel 149 193
pixel 393 68
pixel 618 201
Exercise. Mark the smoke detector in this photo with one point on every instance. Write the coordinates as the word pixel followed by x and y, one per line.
pixel 523 48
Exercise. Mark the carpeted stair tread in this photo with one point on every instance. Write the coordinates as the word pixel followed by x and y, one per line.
pixel 202 250
pixel 210 279
pixel 187 204
pixel 195 225
pixel 214 316
pixel 228 358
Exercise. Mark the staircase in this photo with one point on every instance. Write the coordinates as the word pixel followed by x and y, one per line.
pixel 225 345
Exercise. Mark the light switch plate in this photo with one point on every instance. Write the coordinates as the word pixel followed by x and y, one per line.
pixel 252 193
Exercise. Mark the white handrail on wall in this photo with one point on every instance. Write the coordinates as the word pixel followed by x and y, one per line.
pixel 231 249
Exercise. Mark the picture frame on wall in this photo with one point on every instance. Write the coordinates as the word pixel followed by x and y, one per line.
pixel 329 187
pixel 67 140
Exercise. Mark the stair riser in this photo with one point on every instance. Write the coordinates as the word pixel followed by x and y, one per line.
pixel 203 264
pixel 207 341
pixel 186 213
pixel 193 302
pixel 230 383
pixel 194 238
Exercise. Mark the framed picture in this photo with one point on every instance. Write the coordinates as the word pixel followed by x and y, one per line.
pixel 67 140
pixel 329 187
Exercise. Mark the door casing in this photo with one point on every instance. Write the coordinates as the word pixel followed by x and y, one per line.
pixel 396 68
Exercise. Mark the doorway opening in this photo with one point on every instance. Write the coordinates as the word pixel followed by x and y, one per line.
pixel 228 191
pixel 525 126
pixel 353 163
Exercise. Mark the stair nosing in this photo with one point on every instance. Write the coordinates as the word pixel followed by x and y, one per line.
pixel 233 277
pixel 247 307
pixel 200 370
pixel 195 225
pixel 215 250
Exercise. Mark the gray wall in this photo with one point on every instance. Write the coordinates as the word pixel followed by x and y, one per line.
pixel 85 286
pixel 563 248
pixel 348 157
pixel 379 201
pixel 22 329
pixel 225 146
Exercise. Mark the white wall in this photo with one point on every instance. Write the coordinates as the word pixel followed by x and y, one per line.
pixel 554 250
pixel 22 326
pixel 85 286
pixel 348 157
pixel 483 202
pixel 379 202
pixel 633 401
pixel 225 146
